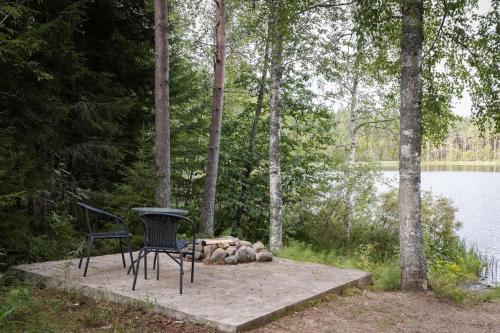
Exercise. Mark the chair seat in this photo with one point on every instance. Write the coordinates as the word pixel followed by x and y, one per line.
pixel 110 234
pixel 180 245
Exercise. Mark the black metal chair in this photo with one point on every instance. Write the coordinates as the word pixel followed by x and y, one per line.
pixel 160 236
pixel 120 233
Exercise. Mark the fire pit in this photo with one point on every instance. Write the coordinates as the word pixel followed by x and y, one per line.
pixel 228 250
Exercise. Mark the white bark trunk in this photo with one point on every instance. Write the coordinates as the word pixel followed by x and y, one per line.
pixel 495 145
pixel 413 261
pixel 352 157
pixel 275 195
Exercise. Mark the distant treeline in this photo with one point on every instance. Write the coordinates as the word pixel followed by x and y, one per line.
pixel 463 143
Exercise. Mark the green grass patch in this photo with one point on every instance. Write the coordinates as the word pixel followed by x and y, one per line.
pixel 385 274
pixel 24 308
pixel 446 277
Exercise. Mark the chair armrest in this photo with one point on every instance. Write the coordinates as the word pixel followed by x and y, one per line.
pixel 193 226
pixel 100 212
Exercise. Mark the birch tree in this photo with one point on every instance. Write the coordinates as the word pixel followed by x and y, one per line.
pixel 413 261
pixel 275 186
pixel 207 214
pixel 162 107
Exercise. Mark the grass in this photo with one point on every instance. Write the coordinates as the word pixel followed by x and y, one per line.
pixel 25 308
pixel 446 279
pixel 385 274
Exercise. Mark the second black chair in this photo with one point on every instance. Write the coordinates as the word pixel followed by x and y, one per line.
pixel 160 236
pixel 120 233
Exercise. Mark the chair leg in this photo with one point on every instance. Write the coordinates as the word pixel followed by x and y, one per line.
pixel 181 265
pixel 89 251
pixel 131 256
pixel 81 256
pixel 136 270
pixel 154 260
pixel 123 255
pixel 145 264
pixel 157 257
pixel 192 266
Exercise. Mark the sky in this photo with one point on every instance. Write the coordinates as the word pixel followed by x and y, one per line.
pixel 463 106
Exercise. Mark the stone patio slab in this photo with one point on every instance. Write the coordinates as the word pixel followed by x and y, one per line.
pixel 230 298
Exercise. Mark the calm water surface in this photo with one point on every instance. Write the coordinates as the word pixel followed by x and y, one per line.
pixel 476 195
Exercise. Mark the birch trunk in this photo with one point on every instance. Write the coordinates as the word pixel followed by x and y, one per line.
pixel 207 214
pixel 495 143
pixel 413 261
pixel 253 137
pixel 162 107
pixel 352 157
pixel 275 194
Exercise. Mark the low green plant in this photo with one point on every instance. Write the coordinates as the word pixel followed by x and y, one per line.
pixel 59 242
pixel 373 244
pixel 385 273
pixel 12 300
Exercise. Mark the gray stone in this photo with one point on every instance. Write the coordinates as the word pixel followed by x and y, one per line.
pixel 230 240
pixel 218 256
pixel 245 254
pixel 258 247
pixel 241 243
pixel 223 245
pixel 197 255
pixel 264 255
pixel 231 250
pixel 197 247
pixel 208 250
pixel 231 260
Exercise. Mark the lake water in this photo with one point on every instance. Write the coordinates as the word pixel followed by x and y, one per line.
pixel 476 195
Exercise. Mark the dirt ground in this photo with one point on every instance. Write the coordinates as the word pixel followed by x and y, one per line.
pixel 365 311
pixel 390 312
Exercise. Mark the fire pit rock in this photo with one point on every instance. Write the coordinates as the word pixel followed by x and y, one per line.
pixel 229 250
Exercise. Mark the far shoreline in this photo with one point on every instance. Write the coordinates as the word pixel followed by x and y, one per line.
pixel 445 163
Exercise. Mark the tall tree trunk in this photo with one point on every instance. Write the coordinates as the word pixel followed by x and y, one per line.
pixel 413 261
pixel 207 214
pixel 250 162
pixel 275 194
pixel 495 144
pixel 162 107
pixel 464 149
pixel 352 155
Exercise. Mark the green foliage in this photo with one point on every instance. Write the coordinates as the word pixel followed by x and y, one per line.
pixel 385 274
pixel 12 300
pixel 76 122
pixel 137 188
pixel 59 242
pixel 318 217
pixel 374 244
pixel 74 97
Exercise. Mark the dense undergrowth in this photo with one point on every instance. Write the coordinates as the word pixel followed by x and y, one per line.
pixel 374 245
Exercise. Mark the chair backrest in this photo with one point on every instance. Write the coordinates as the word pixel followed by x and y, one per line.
pixel 160 230
pixel 99 213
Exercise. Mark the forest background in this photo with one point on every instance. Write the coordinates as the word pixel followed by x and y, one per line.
pixel 77 124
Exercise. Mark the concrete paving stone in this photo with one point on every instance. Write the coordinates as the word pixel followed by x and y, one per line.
pixel 230 298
